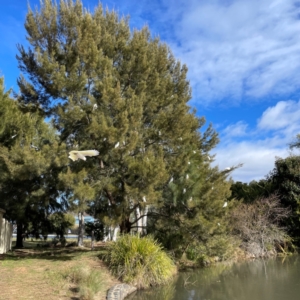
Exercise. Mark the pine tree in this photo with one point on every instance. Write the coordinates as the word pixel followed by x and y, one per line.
pixel 81 193
pixel 194 212
pixel 249 192
pixel 118 91
pixel 30 160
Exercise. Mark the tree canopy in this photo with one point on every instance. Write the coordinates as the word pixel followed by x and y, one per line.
pixel 118 91
pixel 91 83
pixel 30 159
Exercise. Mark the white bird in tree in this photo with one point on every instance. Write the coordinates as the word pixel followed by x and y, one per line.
pixel 34 147
pixel 225 204
pixel 75 155
pixel 117 145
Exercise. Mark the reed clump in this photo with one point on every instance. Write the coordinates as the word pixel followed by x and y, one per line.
pixel 140 261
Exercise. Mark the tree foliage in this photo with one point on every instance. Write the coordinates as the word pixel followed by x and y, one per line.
pixel 195 210
pixel 119 91
pixel 30 159
pixel 286 179
pixel 249 192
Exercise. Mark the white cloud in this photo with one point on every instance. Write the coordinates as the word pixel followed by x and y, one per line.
pixel 257 159
pixel 240 49
pixel 257 152
pixel 281 116
pixel 235 130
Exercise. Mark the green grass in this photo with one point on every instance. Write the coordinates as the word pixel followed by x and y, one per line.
pixel 140 261
pixel 59 273
pixel 89 282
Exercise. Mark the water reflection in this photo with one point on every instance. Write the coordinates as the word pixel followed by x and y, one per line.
pixel 274 279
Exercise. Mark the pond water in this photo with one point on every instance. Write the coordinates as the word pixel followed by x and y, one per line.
pixel 273 279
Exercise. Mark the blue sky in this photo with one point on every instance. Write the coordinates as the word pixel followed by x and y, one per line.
pixel 244 67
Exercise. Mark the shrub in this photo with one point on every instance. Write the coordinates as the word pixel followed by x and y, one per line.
pixel 139 261
pixel 217 248
pixel 258 225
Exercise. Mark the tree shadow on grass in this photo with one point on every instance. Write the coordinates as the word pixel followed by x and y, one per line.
pixel 50 254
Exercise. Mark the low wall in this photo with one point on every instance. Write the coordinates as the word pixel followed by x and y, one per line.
pixel 5 233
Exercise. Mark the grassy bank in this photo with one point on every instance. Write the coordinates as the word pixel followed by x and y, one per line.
pixel 37 272
pixel 59 273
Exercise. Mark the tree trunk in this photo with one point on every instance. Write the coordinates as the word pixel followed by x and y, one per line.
pixel 107 236
pixel 115 233
pixel 19 243
pixel 80 229
pixel 144 220
pixel 93 238
pixel 139 222
pixel 125 226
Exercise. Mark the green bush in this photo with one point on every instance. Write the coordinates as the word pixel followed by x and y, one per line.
pixel 217 248
pixel 139 261
pixel 192 253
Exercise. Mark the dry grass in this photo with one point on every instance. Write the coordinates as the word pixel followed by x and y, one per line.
pixel 34 273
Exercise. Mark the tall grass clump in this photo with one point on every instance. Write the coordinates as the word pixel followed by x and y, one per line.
pixel 88 281
pixel 139 261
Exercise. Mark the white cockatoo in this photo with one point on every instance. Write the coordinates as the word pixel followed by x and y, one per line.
pixel 34 147
pixel 75 155
pixel 225 204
